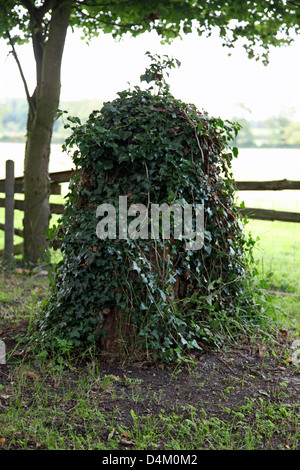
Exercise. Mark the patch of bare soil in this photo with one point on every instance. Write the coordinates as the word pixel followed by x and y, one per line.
pixel 214 379
pixel 215 383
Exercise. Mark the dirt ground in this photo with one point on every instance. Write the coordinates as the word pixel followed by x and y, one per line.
pixel 214 382
pixel 214 378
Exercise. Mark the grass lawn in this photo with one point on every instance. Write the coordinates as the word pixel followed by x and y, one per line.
pixel 277 252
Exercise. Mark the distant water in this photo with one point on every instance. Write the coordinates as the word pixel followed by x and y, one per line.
pixel 59 160
pixel 251 164
pixel 267 164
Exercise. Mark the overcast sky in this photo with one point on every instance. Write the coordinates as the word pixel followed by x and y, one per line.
pixel 207 77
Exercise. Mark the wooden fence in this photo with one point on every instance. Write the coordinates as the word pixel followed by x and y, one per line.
pixel 11 185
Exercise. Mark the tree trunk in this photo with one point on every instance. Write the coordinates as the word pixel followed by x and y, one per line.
pixel 42 110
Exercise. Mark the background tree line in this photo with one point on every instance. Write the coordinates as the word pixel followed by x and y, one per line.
pixel 14 112
pixel 276 131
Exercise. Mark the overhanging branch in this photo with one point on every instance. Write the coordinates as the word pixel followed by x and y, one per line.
pixel 110 23
pixel 30 103
pixel 293 3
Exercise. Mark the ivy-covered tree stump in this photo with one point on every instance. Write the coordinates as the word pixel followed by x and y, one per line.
pixel 154 294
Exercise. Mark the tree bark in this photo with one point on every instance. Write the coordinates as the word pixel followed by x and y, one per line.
pixel 44 103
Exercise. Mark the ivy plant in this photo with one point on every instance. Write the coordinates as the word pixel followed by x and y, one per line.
pixel 153 294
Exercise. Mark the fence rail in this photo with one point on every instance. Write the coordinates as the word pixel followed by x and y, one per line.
pixel 11 185
pixel 267 185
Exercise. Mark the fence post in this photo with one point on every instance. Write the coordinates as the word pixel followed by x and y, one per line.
pixel 9 212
